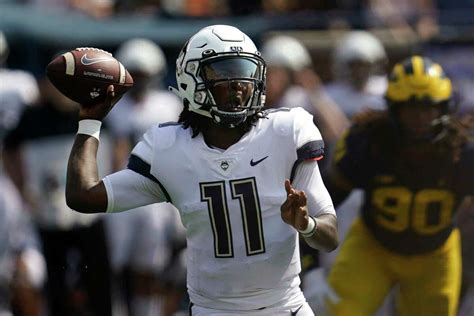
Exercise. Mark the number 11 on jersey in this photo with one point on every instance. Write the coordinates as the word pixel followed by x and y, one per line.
pixel 244 190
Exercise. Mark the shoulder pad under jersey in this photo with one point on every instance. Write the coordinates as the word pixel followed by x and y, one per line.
pixel 165 135
pixel 284 119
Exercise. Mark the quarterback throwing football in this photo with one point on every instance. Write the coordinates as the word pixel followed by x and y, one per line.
pixel 246 181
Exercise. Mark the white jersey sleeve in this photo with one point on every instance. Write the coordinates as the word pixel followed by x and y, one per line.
pixel 307 139
pixel 306 175
pixel 135 186
pixel 308 178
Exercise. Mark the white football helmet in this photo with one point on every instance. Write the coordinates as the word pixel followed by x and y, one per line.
pixel 142 55
pixel 286 51
pixel 221 75
pixel 357 46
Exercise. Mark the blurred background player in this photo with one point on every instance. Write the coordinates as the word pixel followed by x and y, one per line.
pixel 147 103
pixel 146 242
pixel 22 265
pixel 292 82
pixel 73 244
pixel 15 83
pixel 415 163
pixel 359 82
pixel 359 79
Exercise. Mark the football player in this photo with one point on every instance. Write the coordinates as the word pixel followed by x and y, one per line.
pixel 22 264
pixel 135 238
pixel 246 181
pixel 415 163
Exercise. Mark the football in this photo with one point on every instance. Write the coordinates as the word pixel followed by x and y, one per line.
pixel 84 74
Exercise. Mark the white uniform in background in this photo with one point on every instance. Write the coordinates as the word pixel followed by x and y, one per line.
pixel 354 46
pixel 130 118
pixel 143 238
pixel 351 101
pixel 241 255
pixel 20 82
pixel 17 238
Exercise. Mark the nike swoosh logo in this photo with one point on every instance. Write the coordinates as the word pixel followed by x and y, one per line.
pixel 86 61
pixel 293 313
pixel 254 163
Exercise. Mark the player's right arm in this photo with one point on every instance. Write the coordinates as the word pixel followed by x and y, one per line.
pixel 122 190
pixel 85 192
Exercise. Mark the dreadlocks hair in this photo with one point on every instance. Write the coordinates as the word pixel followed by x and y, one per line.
pixel 454 132
pixel 197 122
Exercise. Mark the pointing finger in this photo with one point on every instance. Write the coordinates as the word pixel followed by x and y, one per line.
pixel 289 189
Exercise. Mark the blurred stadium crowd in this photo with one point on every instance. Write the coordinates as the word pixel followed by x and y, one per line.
pixel 330 57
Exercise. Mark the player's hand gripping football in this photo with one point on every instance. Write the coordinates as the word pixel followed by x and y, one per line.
pixel 294 211
pixel 100 110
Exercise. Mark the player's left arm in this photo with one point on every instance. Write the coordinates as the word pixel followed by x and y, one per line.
pixel 308 208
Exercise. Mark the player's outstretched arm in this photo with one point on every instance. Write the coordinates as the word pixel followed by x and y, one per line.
pixel 294 211
pixel 85 192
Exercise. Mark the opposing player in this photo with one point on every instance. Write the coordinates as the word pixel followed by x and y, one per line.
pixel 245 181
pixel 415 163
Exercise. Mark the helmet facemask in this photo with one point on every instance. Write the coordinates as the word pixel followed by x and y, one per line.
pixel 220 75
pixel 419 123
pixel 231 88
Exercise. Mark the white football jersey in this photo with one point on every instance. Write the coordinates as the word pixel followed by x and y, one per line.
pixel 21 83
pixel 17 235
pixel 241 255
pixel 45 162
pixel 351 101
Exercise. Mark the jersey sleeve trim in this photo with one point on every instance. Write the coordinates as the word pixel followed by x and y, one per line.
pixel 136 164
pixel 313 150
